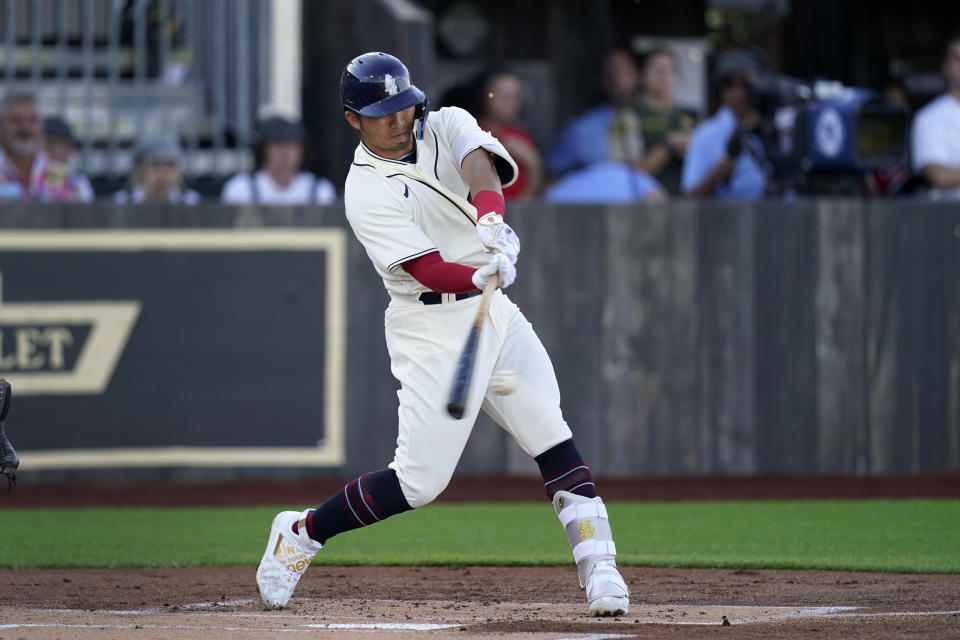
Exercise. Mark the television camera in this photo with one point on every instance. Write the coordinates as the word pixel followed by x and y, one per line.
pixel 826 138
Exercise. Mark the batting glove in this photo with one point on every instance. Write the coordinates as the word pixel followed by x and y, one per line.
pixel 496 235
pixel 499 263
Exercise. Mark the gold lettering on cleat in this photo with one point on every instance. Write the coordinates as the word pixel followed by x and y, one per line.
pixel 586 530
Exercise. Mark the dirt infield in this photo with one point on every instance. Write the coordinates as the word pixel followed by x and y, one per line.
pixel 474 603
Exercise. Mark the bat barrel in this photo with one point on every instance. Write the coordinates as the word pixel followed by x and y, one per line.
pixel 461 378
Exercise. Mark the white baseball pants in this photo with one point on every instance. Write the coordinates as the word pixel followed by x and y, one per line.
pixel 424 343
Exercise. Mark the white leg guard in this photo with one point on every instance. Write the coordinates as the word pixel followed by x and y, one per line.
pixel 588 531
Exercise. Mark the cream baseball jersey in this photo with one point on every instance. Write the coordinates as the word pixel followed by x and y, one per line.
pixel 400 211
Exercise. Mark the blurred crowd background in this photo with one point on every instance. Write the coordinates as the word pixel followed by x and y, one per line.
pixel 182 101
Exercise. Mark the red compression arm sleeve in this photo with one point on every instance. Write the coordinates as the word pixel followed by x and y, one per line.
pixel 489 200
pixel 437 275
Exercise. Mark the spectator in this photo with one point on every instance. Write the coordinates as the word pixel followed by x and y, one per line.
pixel 665 128
pixel 501 101
pixel 279 156
pixel 60 144
pixel 726 158
pixel 25 171
pixel 605 182
pixel 158 176
pixel 936 130
pixel 584 141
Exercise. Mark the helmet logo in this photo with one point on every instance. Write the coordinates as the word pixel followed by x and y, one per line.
pixel 390 84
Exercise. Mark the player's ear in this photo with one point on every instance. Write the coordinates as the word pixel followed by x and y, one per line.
pixel 352 119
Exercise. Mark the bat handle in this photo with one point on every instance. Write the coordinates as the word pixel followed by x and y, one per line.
pixel 488 290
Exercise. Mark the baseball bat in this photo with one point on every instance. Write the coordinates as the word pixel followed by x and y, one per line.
pixel 464 371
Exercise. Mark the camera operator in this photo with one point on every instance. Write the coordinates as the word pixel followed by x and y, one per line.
pixel 726 158
pixel 936 130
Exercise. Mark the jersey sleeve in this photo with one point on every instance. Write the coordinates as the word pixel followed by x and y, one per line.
pixel 464 135
pixel 433 272
pixel 385 229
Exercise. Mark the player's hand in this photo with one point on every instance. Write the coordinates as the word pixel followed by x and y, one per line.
pixel 500 264
pixel 496 235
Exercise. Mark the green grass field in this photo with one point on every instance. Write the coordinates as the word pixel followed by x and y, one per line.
pixel 873 535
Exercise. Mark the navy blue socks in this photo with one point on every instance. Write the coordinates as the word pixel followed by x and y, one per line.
pixel 370 498
pixel 376 496
pixel 563 469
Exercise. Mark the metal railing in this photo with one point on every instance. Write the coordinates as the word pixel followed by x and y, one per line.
pixel 120 69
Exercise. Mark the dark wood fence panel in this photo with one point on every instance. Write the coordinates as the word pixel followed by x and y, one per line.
pixel 688 338
pixel 786 397
pixel 727 339
pixel 838 339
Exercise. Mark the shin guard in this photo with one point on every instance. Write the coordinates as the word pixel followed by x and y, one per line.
pixel 587 527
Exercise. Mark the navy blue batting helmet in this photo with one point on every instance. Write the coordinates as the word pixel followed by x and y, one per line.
pixel 377 84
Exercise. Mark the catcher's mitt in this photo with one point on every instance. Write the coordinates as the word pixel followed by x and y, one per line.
pixel 8 457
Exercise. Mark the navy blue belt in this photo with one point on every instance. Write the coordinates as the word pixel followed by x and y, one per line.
pixel 432 297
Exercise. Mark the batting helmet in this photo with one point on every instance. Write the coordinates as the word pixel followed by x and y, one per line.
pixel 377 84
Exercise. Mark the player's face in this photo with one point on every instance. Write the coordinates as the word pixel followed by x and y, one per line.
pixel 388 136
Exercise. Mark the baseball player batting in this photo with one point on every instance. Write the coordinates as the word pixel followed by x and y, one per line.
pixel 424 198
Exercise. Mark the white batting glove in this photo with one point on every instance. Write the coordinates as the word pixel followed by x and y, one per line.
pixel 496 235
pixel 499 263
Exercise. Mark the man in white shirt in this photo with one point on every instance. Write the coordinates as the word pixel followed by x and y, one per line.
pixel 936 130
pixel 279 180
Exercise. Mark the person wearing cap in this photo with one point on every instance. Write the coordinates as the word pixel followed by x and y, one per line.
pixel 60 145
pixel 26 172
pixel 726 159
pixel 158 177
pixel 279 180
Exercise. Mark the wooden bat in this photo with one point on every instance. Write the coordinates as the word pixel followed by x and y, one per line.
pixel 464 370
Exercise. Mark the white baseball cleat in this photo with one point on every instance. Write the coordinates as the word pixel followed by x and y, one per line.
pixel 286 558
pixel 606 591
